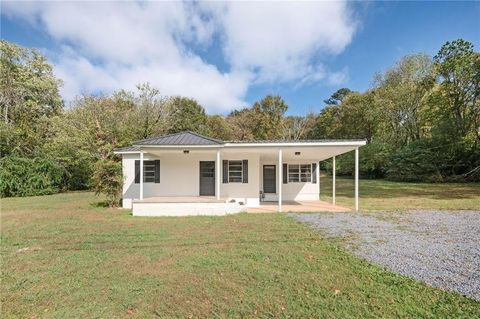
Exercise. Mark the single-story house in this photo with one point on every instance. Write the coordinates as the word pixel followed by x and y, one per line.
pixel 190 174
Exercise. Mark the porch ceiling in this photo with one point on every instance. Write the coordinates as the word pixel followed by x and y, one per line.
pixel 315 153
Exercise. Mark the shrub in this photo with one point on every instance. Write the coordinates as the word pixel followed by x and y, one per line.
pixel 21 176
pixel 107 179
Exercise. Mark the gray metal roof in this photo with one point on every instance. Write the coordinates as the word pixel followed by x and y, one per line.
pixel 182 138
pixel 127 149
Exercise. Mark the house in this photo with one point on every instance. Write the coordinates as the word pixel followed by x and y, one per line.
pixel 190 174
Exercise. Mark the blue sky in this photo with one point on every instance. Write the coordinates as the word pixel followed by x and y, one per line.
pixel 229 55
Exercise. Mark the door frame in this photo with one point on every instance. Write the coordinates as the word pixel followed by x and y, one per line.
pixel 200 177
pixel 275 179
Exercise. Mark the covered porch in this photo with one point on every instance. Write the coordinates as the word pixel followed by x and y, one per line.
pixel 298 207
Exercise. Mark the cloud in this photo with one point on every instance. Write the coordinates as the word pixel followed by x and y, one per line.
pixel 107 46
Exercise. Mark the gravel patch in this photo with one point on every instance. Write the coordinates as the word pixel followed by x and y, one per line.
pixel 441 248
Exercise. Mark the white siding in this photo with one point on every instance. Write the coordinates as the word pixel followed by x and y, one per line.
pixel 291 191
pixel 179 176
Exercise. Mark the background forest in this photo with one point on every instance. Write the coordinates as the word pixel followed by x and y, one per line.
pixel 421 119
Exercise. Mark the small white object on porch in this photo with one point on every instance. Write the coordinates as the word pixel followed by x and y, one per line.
pixel 280 179
pixel 217 175
pixel 141 175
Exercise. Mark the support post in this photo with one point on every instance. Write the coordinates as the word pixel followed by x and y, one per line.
pixel 280 179
pixel 217 175
pixel 318 178
pixel 141 175
pixel 356 179
pixel 333 181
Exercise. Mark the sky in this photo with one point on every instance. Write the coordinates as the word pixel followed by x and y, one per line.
pixel 228 55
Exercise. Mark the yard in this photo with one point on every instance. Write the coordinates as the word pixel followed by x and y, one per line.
pixel 67 256
pixel 386 195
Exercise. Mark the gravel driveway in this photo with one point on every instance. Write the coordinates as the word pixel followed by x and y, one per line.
pixel 438 247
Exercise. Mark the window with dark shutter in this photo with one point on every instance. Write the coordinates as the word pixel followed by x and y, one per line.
pixel 314 173
pixel 245 171
pixel 151 171
pixel 225 171
pixel 137 171
pixel 285 173
pixel 157 171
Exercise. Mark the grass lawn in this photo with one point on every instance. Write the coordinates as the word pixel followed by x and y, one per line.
pixel 386 195
pixel 65 257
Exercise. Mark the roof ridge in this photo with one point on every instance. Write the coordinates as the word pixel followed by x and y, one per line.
pixel 211 139
pixel 206 137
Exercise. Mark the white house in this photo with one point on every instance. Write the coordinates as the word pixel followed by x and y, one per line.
pixel 190 174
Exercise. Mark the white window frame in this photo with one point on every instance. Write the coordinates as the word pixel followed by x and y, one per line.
pixel 297 173
pixel 236 171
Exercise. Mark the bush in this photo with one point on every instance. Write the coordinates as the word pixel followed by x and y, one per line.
pixel 107 179
pixel 21 176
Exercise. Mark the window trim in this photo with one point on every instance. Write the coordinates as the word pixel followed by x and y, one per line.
pixel 240 164
pixel 298 172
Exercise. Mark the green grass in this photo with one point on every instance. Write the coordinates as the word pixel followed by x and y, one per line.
pixel 386 195
pixel 65 257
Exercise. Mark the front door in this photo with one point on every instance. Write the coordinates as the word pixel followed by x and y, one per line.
pixel 207 178
pixel 269 179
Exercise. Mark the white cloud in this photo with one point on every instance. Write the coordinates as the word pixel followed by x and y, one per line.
pixel 108 46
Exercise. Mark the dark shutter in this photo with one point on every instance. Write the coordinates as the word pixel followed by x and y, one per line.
pixel 225 171
pixel 285 173
pixel 157 171
pixel 314 173
pixel 137 171
pixel 245 171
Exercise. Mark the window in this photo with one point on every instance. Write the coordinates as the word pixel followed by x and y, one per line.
pixel 299 173
pixel 149 171
pixel 235 171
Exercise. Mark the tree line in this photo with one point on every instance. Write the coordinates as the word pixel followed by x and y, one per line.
pixel 421 119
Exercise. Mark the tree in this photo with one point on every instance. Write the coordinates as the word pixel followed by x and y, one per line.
pixel 458 68
pixel 337 97
pixel 298 127
pixel 29 93
pixel 401 91
pixel 187 115
pixel 219 127
pixel 269 117
pixel 242 123
pixel 152 111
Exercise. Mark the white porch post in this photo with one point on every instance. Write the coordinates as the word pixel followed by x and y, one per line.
pixel 280 179
pixel 141 175
pixel 333 181
pixel 318 178
pixel 217 176
pixel 356 179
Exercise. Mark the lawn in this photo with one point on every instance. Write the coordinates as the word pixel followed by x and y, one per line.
pixel 63 256
pixel 387 195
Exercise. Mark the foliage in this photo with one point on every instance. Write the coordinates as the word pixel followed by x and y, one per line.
pixel 20 176
pixel 107 180
pixel 29 93
pixel 268 117
pixel 187 115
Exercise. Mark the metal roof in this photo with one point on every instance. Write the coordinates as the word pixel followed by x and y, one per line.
pixel 182 138
pixel 127 149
